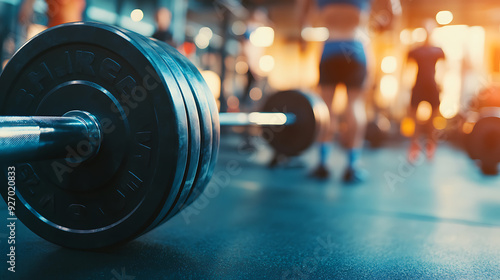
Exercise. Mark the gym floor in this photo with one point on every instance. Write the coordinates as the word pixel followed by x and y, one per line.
pixel 437 220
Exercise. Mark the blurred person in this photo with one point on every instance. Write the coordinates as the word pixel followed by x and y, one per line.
pixel 58 11
pixel 426 57
pixel 344 60
pixel 163 19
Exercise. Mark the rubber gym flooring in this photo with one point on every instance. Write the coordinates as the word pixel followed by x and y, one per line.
pixel 439 220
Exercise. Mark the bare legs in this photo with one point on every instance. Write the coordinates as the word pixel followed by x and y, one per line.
pixel 321 171
pixel 426 129
pixel 354 136
pixel 356 118
pixel 327 92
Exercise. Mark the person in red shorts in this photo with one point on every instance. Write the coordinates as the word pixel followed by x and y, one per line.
pixel 426 89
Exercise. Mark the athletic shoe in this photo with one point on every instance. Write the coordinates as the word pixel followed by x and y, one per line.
pixel 354 175
pixel 320 172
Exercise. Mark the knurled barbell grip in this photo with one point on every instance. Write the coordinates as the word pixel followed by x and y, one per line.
pixel 257 119
pixel 33 138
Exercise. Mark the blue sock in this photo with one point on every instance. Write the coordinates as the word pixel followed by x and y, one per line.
pixel 353 156
pixel 324 153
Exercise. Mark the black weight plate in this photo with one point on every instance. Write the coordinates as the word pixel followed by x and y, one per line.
pixel 198 128
pixel 206 97
pixel 206 100
pixel 118 194
pixel 484 140
pixel 170 72
pixel 291 140
pixel 214 113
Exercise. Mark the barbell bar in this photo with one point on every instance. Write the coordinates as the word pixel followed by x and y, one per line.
pixel 109 134
pixel 40 138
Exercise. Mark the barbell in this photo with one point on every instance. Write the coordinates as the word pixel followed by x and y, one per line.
pixel 109 134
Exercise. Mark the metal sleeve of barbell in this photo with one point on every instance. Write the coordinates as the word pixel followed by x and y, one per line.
pixel 257 119
pixel 76 134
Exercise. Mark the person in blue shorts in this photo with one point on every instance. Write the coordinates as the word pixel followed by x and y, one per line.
pixel 344 61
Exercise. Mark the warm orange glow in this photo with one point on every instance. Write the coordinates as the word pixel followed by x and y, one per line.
pixel 444 17
pixel 450 97
pixel 213 82
pixel 339 99
pixel 294 68
pixel 452 39
pixel 467 127
pixel 407 128
pixel 34 29
pixel 424 111
pixel 405 36
pixel 439 123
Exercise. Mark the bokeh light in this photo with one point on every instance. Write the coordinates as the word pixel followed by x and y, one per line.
pixel 444 17
pixel 389 87
pixel 233 102
pixel 315 34
pixel 256 94
pixel 238 28
pixel 424 111
pixel 266 63
pixel 405 36
pixel 241 67
pixel 202 40
pixel 439 123
pixel 389 64
pixel 407 128
pixel 419 35
pixel 137 15
pixel 468 127
pixel 262 37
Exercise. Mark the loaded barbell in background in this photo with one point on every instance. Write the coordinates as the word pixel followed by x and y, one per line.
pixel 483 142
pixel 116 133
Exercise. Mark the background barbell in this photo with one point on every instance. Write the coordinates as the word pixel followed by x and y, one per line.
pixel 483 142
pixel 140 140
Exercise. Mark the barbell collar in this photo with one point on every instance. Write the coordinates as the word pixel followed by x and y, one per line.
pixel 36 138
